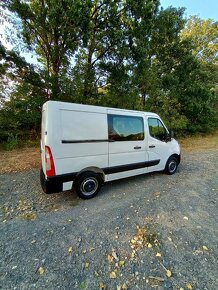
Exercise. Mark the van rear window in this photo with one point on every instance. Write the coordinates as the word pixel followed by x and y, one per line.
pixel 125 128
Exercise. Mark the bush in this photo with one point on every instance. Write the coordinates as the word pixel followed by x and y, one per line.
pixel 11 143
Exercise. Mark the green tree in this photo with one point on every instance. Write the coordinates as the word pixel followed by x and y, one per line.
pixel 203 34
pixel 54 29
pixel 204 37
pixel 120 53
pixel 27 94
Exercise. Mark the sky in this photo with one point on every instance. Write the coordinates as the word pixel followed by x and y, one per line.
pixel 202 8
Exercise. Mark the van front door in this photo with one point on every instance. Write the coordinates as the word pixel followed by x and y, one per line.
pixel 127 147
pixel 158 146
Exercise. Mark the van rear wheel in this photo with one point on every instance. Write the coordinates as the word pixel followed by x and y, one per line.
pixel 88 184
pixel 171 165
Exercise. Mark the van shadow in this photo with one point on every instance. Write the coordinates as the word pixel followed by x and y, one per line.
pixel 59 201
pixel 124 185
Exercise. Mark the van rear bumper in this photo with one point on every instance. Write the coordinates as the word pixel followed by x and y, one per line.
pixel 55 184
pixel 50 185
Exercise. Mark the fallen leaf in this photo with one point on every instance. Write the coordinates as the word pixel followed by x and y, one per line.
pixel 196 252
pixel 149 245
pixel 136 238
pixel 158 255
pixel 33 241
pixel 96 274
pixel 168 273
pixel 140 232
pixel 70 250
pixel 124 287
pixel 133 254
pixel 205 248
pixel 189 286
pixel 121 263
pixel 114 254
pixel 41 271
pixel 157 194
pixel 110 259
pixel 91 249
pixel 133 241
pixel 102 286
pixel 113 275
pixel 86 264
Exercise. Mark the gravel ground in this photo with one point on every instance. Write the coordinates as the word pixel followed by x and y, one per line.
pixel 148 232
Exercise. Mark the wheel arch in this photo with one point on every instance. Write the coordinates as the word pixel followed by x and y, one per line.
pixel 93 169
pixel 177 156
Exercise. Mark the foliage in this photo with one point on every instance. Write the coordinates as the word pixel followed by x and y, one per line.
pixel 202 90
pixel 204 37
pixel 128 54
pixel 11 143
pixel 23 112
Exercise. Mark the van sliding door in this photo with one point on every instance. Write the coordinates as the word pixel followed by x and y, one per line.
pixel 127 146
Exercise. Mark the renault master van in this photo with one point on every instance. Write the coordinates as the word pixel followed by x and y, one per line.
pixel 83 146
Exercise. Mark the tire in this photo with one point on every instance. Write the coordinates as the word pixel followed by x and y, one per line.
pixel 171 165
pixel 88 184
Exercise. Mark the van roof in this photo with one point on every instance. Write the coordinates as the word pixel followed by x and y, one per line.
pixel 82 107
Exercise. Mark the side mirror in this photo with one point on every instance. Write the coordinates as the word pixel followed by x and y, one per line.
pixel 169 135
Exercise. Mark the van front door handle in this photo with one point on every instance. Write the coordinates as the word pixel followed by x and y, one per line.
pixel 152 146
pixel 137 147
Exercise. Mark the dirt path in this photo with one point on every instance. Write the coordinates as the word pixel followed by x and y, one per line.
pixel 148 232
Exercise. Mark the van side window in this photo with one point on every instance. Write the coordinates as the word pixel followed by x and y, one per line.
pixel 125 128
pixel 156 129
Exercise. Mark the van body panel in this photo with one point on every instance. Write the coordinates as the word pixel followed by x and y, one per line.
pixel 120 175
pixel 113 142
pixel 77 164
pixel 71 129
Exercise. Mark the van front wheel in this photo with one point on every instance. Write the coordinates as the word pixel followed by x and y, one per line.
pixel 171 165
pixel 88 184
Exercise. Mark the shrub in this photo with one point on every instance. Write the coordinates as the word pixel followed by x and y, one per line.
pixel 11 143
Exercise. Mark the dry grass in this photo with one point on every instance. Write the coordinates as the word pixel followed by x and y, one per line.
pixel 28 158
pixel 199 143
pixel 19 159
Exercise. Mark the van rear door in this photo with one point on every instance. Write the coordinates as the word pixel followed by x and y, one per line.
pixel 43 134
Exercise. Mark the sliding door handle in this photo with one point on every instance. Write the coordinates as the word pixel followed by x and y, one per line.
pixel 137 147
pixel 152 146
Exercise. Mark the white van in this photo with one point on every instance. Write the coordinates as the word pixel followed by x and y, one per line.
pixel 84 146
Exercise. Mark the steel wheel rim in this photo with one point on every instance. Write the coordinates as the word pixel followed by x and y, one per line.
pixel 89 186
pixel 172 166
